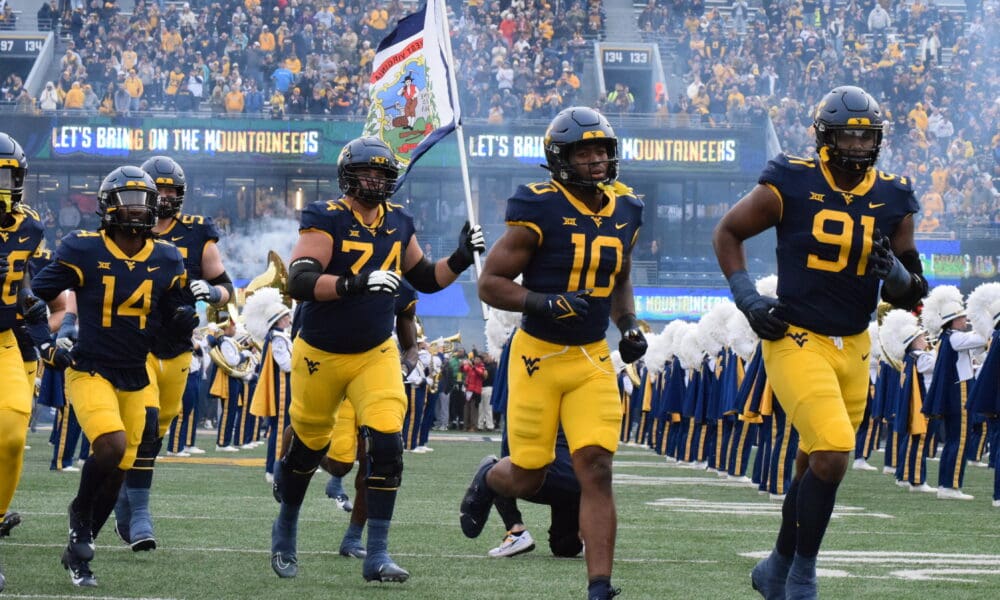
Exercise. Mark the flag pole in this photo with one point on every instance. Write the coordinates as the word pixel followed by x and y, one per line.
pixel 441 8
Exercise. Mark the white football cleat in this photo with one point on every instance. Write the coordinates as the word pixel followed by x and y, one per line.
pixel 512 545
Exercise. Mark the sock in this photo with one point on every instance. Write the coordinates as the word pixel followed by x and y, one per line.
pixel 141 522
pixel 507 507
pixel 334 487
pixel 801 580
pixel 287 524
pixel 785 545
pixel 123 510
pixel 106 497
pixel 815 505
pixel 92 478
pixel 378 538
pixel 380 504
pixel 352 538
pixel 293 484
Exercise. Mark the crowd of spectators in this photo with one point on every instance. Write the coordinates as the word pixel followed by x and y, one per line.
pixel 295 57
pixel 934 70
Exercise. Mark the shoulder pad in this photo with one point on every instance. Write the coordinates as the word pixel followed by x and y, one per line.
pixel 317 215
pixel 192 219
pixel 632 200
pixel 535 191
pixel 795 163
pixel 400 209
pixel 900 182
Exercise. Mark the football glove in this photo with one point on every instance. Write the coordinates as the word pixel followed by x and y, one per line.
pixel 882 263
pixel 758 309
pixel 470 242
pixel 4 266
pixel 184 320
pixel 372 282
pixel 633 343
pixel 68 331
pixel 56 356
pixel 568 308
pixel 205 291
pixel 34 310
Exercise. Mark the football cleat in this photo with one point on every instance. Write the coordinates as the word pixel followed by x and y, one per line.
pixel 514 544
pixel 285 565
pixel 768 576
pixel 284 561
pixel 386 570
pixel 611 593
pixel 344 503
pixel 10 521
pixel 478 500
pixel 79 569
pixel 353 550
pixel 143 544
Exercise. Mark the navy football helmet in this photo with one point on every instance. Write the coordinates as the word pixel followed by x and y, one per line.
pixel 127 200
pixel 367 153
pixel 167 173
pixel 572 126
pixel 848 111
pixel 13 168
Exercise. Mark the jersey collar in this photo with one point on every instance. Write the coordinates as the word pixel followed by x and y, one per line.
pixel 859 190
pixel 115 251
pixel 379 216
pixel 606 211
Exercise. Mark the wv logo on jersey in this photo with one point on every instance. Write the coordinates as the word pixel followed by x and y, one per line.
pixel 530 364
pixel 130 264
pixel 4 235
pixel 313 365
pixel 799 338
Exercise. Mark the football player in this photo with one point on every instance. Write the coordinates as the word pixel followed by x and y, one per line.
pixel 21 234
pixel 843 229
pixel 125 282
pixel 571 237
pixel 345 268
pixel 195 237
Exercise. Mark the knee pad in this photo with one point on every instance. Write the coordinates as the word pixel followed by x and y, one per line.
pixel 385 459
pixel 301 459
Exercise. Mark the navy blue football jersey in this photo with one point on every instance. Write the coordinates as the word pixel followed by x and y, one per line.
pixel 357 323
pixel 577 249
pixel 17 242
pixel 190 233
pixel 406 297
pixel 117 295
pixel 39 260
pixel 824 240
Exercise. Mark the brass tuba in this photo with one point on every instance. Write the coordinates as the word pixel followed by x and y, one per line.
pixel 275 275
pixel 447 344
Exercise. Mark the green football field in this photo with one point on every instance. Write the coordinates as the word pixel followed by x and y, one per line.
pixel 681 534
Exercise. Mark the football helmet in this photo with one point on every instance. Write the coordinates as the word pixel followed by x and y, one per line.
pixel 166 173
pixel 367 153
pixel 848 110
pixel 13 168
pixel 572 126
pixel 127 200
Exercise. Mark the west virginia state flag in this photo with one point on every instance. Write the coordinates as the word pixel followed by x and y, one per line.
pixel 411 106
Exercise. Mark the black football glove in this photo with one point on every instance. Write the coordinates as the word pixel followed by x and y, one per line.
pixel 633 345
pixel 758 309
pixel 470 242
pixel 57 357
pixel 34 310
pixel 568 308
pixel 881 258
pixel 4 266
pixel 184 320
pixel 372 282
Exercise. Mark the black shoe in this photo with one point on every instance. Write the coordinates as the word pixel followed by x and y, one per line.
pixel 478 500
pixel 385 571
pixel 79 569
pixel 10 521
pixel 81 540
pixel 611 593
pixel 147 543
pixel 285 565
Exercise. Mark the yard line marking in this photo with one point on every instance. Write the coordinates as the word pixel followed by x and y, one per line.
pixel 691 505
pixel 937 566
